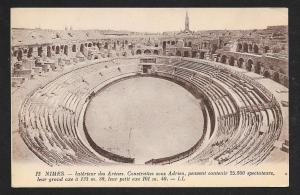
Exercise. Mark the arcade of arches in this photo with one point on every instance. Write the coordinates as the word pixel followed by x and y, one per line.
pixel 184 48
pixel 256 67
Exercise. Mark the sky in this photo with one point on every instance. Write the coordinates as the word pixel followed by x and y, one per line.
pixel 148 19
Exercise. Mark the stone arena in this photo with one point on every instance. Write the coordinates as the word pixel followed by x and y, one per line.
pixel 102 97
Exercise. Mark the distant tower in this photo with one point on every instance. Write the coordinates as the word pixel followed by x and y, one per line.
pixel 187 23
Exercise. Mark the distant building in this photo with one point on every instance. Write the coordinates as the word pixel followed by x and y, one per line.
pixel 263 51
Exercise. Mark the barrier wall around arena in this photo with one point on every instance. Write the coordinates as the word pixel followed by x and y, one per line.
pixel 218 121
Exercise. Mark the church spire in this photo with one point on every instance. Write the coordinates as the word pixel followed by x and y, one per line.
pixel 187 24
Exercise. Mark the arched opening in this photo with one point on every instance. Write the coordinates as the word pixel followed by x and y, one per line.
pixel 105 45
pixel 266 49
pixel 214 48
pixel 173 43
pixel 66 50
pixel 15 53
pixel 86 44
pixel 90 45
pixel 202 55
pixel 190 44
pixel 94 44
pixel 194 54
pixel 255 49
pixel 266 74
pixel 53 47
pixel 40 51
pixel 231 61
pixel 245 47
pixel 186 54
pixel 138 52
pixel 164 45
pixel 81 48
pixel 57 50
pixel 178 53
pixel 239 47
pixel 147 52
pixel 74 48
pixel 241 62
pixel 20 55
pixel 29 54
pixel 48 51
pixel 223 59
pixel 257 68
pixel 276 76
pixel 249 65
pixel 220 44
pixel 155 52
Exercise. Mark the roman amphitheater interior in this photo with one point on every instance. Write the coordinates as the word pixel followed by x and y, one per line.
pixel 101 97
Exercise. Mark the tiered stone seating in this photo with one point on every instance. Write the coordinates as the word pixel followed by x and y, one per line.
pixel 242 118
pixel 246 125
pixel 50 116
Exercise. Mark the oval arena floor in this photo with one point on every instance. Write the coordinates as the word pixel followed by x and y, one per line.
pixel 145 118
pixel 79 117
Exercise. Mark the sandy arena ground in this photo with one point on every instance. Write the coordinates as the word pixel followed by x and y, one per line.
pixel 145 118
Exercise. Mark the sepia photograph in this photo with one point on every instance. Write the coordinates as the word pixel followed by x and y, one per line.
pixel 149 97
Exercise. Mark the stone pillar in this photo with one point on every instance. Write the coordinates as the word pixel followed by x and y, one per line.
pixel 70 48
pixel 44 51
pixel 77 48
pixel 235 63
pixel 227 61
pixel 35 51
pixel 250 50
pixel 214 57
pixel 206 56
pixel 243 65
